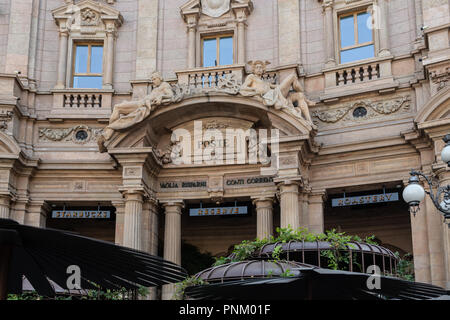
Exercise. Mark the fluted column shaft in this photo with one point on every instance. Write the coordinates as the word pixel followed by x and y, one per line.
pixel 264 218
pixel 5 202
pixel 62 59
pixel 329 33
pixel 289 206
pixel 172 240
pixel 132 220
pixel 192 28
pixel 108 79
pixel 241 42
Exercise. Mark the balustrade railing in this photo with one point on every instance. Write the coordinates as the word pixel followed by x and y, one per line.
pixel 82 101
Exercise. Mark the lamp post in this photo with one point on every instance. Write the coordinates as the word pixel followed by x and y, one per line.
pixel 414 193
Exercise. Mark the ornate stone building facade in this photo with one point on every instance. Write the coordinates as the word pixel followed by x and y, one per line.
pixel 86 123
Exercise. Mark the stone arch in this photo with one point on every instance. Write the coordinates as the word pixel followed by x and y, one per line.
pixel 437 108
pixel 205 106
pixel 8 147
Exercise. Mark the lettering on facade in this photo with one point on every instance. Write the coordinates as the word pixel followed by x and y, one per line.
pixel 361 200
pixel 222 211
pixel 248 181
pixel 81 214
pixel 182 184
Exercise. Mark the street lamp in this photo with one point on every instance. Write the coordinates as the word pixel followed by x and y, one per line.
pixel 414 193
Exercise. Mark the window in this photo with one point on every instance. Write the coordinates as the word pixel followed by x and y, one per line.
pixel 356 37
pixel 217 51
pixel 88 66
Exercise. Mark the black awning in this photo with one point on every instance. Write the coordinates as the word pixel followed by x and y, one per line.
pixel 42 254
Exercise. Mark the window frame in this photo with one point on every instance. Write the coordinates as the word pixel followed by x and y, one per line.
pixel 90 44
pixel 354 13
pixel 217 37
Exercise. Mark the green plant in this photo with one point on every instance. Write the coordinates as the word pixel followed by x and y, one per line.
pixel 181 287
pixel 276 254
pixel 287 273
pixel 405 267
pixel 337 257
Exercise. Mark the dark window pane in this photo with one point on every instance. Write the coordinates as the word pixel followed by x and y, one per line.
pixel 87 82
pixel 81 59
pixel 364 33
pixel 226 51
pixel 209 52
pixel 347 31
pixel 96 59
pixel 357 54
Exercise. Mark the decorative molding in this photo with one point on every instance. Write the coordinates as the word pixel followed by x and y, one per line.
pixel 374 109
pixel 440 77
pixel 5 119
pixel 69 134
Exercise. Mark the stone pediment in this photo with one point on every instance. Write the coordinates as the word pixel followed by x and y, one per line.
pixel 86 13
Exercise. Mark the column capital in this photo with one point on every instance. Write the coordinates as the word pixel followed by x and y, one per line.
pixel 136 193
pixel 176 205
pixel 318 196
pixel 5 199
pixel 327 4
pixel 262 202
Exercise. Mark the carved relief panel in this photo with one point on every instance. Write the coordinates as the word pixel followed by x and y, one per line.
pixel 362 111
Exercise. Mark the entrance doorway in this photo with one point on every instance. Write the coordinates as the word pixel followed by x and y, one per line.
pixel 93 221
pixel 371 211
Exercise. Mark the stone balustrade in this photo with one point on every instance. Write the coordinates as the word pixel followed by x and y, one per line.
pixel 357 77
pixel 82 101
pixel 364 73
pixel 78 103
pixel 208 78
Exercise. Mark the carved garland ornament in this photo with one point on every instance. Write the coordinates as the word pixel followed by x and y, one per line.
pixel 79 134
pixel 379 108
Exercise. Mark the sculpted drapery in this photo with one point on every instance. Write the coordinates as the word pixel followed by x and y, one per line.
pixel 288 95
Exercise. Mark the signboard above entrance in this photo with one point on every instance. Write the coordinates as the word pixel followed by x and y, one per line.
pixel 81 214
pixel 221 211
pixel 367 199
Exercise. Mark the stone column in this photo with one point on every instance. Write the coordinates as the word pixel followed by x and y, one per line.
pixel 289 205
pixel 419 231
pixel 304 209
pixel 444 179
pixel 150 235
pixel 435 242
pixel 5 202
pixel 120 217
pixel 62 59
pixel 241 41
pixel 329 33
pixel 264 217
pixel 132 234
pixel 384 28
pixel 192 30
pixel 37 213
pixel 172 240
pixel 315 211
pixel 109 63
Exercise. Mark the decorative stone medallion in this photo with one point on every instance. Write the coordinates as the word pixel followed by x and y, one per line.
pixel 215 8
